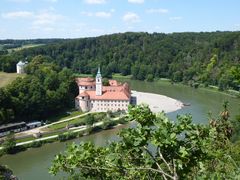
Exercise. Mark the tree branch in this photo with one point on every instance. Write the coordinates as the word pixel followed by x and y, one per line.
pixel 159 167
pixel 174 170
pixel 161 156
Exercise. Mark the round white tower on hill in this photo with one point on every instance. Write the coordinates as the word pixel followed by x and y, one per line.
pixel 98 83
pixel 20 67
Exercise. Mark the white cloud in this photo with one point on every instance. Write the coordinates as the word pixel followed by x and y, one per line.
pixel 103 14
pixel 100 14
pixel 160 11
pixel 176 18
pixel 42 18
pixel 95 1
pixel 131 17
pixel 136 1
pixel 17 14
pixel 236 27
pixel 46 18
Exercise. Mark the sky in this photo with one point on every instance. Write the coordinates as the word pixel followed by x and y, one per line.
pixel 30 19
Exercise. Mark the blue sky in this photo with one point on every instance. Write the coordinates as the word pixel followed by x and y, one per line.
pixel 25 19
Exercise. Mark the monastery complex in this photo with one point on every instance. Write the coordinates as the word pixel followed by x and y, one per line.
pixel 93 96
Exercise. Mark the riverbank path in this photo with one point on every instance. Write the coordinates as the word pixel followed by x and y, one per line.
pixel 41 129
pixel 74 130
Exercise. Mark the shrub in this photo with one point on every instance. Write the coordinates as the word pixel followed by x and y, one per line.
pixel 89 119
pixel 36 144
pixel 99 116
pixel 9 145
pixel 67 136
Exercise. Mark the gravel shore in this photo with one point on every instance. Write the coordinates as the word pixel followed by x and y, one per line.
pixel 157 102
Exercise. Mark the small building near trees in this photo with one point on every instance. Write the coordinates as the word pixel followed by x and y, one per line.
pixel 21 67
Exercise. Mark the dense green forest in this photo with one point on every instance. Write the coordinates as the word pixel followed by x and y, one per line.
pixel 46 90
pixel 208 58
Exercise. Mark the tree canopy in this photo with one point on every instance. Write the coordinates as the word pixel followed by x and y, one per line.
pixel 157 148
pixel 45 90
pixel 209 58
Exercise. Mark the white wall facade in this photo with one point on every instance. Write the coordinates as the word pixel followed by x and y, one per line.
pixel 86 88
pixel 98 85
pixel 108 105
pixel 20 69
pixel 84 104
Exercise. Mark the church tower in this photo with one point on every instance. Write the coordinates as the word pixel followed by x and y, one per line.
pixel 98 83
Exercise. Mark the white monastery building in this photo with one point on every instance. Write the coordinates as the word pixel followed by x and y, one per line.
pixel 20 67
pixel 93 96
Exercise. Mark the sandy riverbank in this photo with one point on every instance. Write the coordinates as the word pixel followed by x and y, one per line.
pixel 157 102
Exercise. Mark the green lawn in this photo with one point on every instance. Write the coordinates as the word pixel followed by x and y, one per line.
pixel 64 124
pixel 25 139
pixel 33 138
pixel 65 115
pixel 7 78
pixel 98 116
pixel 118 75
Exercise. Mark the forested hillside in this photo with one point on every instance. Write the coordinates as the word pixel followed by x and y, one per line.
pixel 45 90
pixel 209 58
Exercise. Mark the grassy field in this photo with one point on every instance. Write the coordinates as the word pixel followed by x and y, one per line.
pixel 97 116
pixel 64 124
pixel 65 115
pixel 118 75
pixel 24 47
pixel 7 78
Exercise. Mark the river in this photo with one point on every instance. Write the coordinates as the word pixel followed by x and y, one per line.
pixel 34 163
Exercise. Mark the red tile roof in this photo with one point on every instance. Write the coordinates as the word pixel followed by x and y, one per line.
pixel 116 91
pixel 113 82
pixel 107 95
pixel 83 94
pixel 85 81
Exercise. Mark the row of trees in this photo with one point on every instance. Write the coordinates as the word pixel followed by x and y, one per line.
pixel 45 90
pixel 210 58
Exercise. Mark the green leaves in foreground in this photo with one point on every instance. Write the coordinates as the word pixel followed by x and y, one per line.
pixel 156 148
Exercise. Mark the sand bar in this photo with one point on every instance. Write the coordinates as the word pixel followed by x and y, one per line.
pixel 157 102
